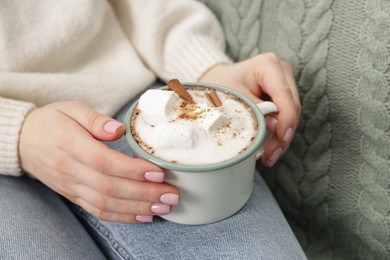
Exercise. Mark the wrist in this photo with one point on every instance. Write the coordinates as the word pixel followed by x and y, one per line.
pixel 214 72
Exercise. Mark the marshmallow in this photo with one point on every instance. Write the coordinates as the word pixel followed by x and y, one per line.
pixel 156 102
pixel 212 118
pixel 173 136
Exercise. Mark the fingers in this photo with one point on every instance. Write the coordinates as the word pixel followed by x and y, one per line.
pixel 109 216
pixel 100 126
pixel 289 77
pixel 269 74
pixel 116 199
pixel 120 199
pixel 113 163
pixel 276 79
pixel 104 203
pixel 273 150
pixel 103 159
pixel 265 77
pixel 124 188
pixel 119 210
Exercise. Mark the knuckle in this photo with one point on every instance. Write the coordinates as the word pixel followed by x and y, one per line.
pixel 107 188
pixel 101 203
pixel 64 143
pixel 98 213
pixel 287 66
pixel 93 119
pixel 141 207
pixel 286 89
pixel 91 209
pixel 61 165
pixel 137 207
pixel 145 194
pixel 271 56
pixel 100 162
pixel 66 147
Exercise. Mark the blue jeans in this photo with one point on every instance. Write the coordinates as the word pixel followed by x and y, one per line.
pixel 36 223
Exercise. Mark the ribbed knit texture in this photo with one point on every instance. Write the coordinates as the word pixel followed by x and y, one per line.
pixel 334 182
pixel 11 121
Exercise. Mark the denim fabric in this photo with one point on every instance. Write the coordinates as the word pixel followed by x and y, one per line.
pixel 257 231
pixel 35 223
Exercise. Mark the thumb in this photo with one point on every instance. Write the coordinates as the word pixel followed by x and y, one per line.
pixel 98 125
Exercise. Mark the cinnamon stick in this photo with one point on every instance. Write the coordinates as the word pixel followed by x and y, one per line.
pixel 214 99
pixel 176 86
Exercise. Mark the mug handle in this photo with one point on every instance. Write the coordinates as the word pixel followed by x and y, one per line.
pixel 266 108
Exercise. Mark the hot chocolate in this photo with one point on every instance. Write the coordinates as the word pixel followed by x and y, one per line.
pixel 207 144
pixel 195 132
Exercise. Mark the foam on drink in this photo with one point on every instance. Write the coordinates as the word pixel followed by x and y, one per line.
pixel 192 133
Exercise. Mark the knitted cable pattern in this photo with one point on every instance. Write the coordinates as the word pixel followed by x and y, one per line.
pixel 373 92
pixel 286 188
pixel 241 20
pixel 307 163
pixel 333 184
pixel 289 37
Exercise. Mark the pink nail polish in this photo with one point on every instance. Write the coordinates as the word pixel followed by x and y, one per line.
pixel 144 218
pixel 170 198
pixel 287 136
pixel 154 176
pixel 160 208
pixel 274 157
pixel 112 126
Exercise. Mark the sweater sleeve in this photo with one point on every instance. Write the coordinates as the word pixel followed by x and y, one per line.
pixel 175 38
pixel 12 114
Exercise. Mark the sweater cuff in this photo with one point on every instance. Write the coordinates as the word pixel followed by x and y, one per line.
pixel 12 115
pixel 190 58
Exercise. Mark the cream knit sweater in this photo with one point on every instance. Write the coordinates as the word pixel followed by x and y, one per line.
pixel 100 52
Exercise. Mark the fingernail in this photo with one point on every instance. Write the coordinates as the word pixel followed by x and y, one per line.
pixel 271 123
pixel 154 176
pixel 287 136
pixel 144 218
pixel 160 208
pixel 170 198
pixel 274 157
pixel 112 126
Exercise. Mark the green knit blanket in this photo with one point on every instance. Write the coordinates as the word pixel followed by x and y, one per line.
pixel 334 182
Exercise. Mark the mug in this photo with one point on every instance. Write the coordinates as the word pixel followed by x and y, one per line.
pixel 210 193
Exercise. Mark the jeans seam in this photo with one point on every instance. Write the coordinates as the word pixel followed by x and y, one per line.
pixel 117 247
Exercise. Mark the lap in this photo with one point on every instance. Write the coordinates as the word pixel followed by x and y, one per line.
pixel 258 231
pixel 35 223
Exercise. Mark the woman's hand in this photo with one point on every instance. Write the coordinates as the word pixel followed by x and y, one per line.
pixel 260 78
pixel 59 145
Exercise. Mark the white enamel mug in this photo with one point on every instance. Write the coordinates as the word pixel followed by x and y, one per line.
pixel 210 193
